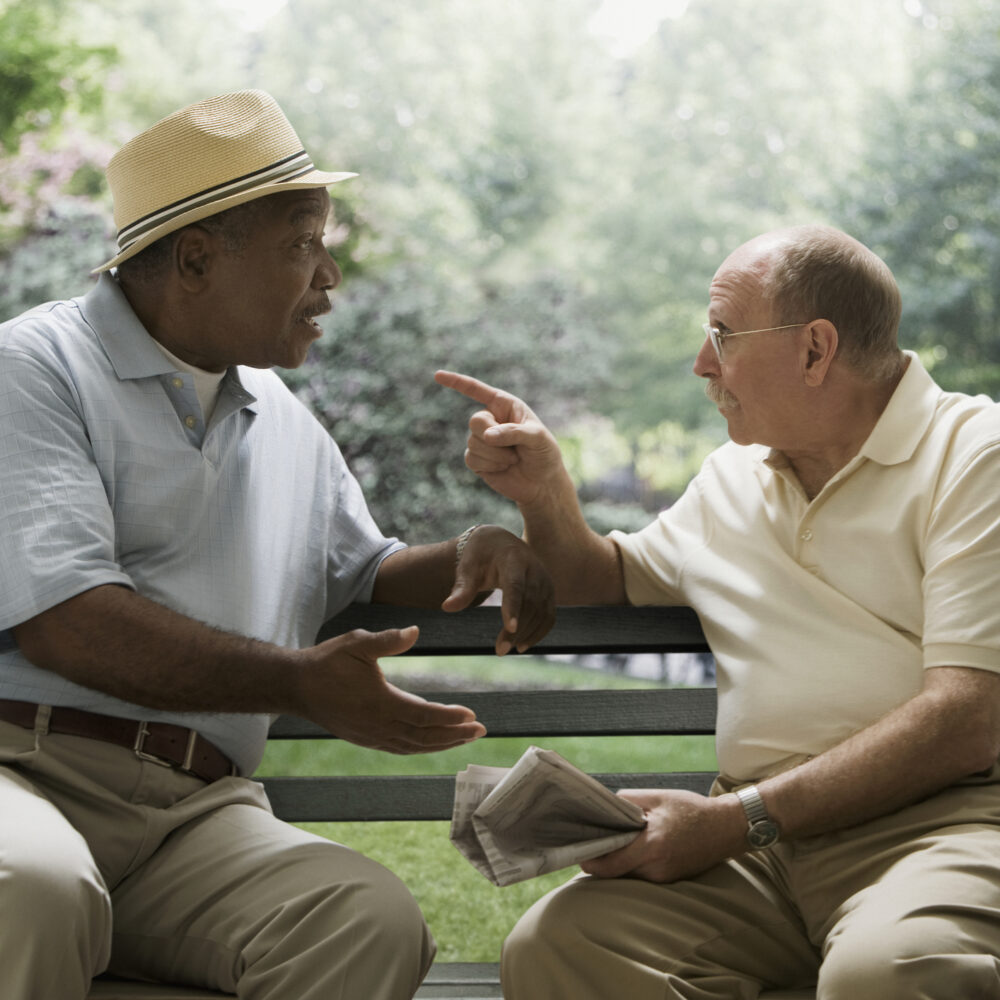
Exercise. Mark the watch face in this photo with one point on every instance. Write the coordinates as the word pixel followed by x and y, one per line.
pixel 762 834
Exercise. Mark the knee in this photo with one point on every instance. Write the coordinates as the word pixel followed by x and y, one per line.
pixel 386 912
pixel 48 900
pixel 551 928
pixel 896 962
pixel 357 909
pixel 858 970
pixel 54 893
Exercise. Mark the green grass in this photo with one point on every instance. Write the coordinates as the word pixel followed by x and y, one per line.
pixel 522 672
pixel 469 916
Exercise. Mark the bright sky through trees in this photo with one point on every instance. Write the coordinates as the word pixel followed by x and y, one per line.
pixel 626 23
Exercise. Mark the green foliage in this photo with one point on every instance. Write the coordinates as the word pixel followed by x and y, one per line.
pixel 370 381
pixel 51 217
pixel 541 208
pixel 46 264
pixel 927 199
pixel 735 118
pixel 44 72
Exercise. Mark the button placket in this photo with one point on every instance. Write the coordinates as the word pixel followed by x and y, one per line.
pixel 802 554
pixel 185 403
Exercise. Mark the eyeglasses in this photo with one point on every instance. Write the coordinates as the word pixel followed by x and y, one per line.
pixel 718 338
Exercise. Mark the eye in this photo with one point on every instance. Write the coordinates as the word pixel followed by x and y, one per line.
pixel 307 241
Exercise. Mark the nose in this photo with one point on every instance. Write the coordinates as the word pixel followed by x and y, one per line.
pixel 706 362
pixel 327 274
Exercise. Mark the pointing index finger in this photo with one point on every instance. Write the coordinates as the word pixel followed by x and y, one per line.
pixel 478 391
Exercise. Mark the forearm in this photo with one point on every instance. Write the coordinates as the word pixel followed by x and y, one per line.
pixel 947 732
pixel 585 567
pixel 115 641
pixel 118 642
pixel 419 576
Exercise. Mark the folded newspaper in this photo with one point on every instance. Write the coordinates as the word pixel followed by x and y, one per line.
pixel 538 816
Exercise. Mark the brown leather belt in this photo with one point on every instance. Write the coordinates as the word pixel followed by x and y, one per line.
pixel 159 742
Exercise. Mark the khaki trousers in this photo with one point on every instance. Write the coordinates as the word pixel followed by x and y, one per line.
pixel 903 908
pixel 110 862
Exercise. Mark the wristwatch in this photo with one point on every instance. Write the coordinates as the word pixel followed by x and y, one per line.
pixel 763 831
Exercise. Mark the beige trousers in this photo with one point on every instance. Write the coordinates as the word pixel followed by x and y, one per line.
pixel 903 908
pixel 110 862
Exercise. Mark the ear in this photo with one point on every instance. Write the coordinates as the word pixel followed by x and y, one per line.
pixel 820 348
pixel 194 253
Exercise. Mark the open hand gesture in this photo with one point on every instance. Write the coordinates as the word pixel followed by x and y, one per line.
pixel 343 689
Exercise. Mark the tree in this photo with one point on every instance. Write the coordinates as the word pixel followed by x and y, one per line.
pixel 370 381
pixel 42 74
pixel 927 201
pixel 735 118
pixel 51 216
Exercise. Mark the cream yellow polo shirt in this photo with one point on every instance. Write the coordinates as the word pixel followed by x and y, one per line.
pixel 823 615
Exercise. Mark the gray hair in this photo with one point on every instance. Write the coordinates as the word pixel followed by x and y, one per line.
pixel 817 272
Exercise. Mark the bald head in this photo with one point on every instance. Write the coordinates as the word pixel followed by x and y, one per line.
pixel 818 272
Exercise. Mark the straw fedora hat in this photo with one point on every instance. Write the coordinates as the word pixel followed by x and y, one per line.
pixel 207 157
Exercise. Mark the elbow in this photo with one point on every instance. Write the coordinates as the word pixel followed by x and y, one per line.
pixel 984 755
pixel 30 638
pixel 977 745
pixel 963 712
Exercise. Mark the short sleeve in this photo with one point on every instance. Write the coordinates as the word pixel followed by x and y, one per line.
pixel 962 563
pixel 653 559
pixel 57 536
pixel 356 546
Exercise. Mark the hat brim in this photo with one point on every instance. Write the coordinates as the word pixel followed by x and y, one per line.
pixel 313 179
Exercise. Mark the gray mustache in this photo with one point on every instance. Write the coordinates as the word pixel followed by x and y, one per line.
pixel 718 395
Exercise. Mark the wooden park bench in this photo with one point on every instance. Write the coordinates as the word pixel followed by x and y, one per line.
pixel 541 714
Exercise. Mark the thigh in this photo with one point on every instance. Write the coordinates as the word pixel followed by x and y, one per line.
pixel 240 901
pixel 721 935
pixel 925 922
pixel 52 892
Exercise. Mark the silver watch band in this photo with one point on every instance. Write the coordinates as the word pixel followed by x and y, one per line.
pixel 762 831
pixel 753 804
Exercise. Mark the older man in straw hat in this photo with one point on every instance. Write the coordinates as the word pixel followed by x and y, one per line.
pixel 842 552
pixel 174 529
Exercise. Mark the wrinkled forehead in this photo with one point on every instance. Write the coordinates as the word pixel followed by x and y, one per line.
pixel 741 282
pixel 738 289
pixel 299 206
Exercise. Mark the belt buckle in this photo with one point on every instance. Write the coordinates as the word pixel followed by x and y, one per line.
pixel 185 765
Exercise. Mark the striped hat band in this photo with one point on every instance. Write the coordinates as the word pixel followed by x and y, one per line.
pixel 294 166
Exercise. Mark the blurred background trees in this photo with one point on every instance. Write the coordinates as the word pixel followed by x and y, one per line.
pixel 546 189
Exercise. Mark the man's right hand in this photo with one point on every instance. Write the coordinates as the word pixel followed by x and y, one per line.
pixel 512 451
pixel 508 447
pixel 343 689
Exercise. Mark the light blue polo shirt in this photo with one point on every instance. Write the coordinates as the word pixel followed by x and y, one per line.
pixel 108 475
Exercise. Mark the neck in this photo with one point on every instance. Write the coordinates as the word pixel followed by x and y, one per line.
pixel 162 315
pixel 843 429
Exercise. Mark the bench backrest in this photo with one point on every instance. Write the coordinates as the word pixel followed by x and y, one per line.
pixel 662 711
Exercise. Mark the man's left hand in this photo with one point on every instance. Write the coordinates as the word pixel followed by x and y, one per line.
pixel 494 559
pixel 685 834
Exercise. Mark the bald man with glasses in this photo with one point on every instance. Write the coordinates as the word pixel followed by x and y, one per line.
pixel 843 554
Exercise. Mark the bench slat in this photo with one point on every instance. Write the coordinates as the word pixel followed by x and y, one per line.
pixel 445 981
pixel 623 712
pixel 576 630
pixel 414 797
